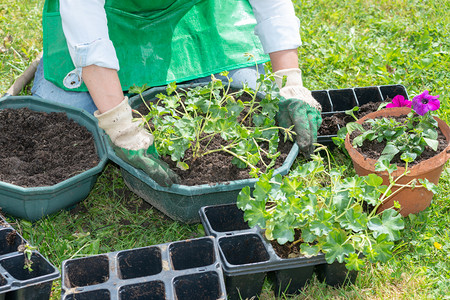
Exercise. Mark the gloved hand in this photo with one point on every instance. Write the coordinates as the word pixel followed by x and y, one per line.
pixel 298 107
pixel 134 144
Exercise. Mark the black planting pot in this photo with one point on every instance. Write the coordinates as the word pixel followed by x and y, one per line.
pixel 337 101
pixel 248 258
pixel 187 269
pixel 17 282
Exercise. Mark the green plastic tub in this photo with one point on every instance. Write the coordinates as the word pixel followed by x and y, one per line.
pixel 34 203
pixel 180 202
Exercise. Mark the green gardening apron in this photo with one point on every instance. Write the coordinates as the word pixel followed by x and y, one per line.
pixel 160 41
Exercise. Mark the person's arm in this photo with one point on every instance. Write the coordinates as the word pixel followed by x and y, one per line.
pixel 284 59
pixel 86 30
pixel 277 25
pixel 93 54
pixel 278 29
pixel 104 87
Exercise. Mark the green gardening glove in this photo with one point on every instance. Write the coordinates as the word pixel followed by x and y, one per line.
pixel 306 121
pixel 148 161
pixel 298 107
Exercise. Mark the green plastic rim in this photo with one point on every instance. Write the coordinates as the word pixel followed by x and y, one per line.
pixel 35 202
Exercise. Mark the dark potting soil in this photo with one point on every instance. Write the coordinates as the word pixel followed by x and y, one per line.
pixel 11 237
pixel 332 122
pixel 289 249
pixel 217 167
pixel 42 149
pixel 373 149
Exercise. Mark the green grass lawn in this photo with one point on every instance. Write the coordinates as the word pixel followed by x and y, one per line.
pixel 345 44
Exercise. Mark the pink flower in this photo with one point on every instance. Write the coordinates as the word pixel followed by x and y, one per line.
pixel 399 101
pixel 425 102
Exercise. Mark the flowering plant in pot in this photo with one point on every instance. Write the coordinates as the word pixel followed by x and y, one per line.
pixel 406 131
pixel 319 210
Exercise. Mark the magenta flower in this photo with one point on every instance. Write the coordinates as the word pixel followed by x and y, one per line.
pixel 399 101
pixel 425 102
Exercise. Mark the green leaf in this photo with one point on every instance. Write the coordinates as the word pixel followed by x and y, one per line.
pixel 391 223
pixel 390 151
pixel 380 249
pixel 408 156
pixel 351 112
pixel 433 144
pixel 309 250
pixel 373 180
pixel 319 228
pixel 283 233
pixel 384 165
pixel 336 246
pixel 308 236
pixel 321 225
pixel 256 215
pixel 352 126
pixel 171 87
pixel 138 89
pixel 182 165
pixel 354 219
pixel 353 262
pixel 429 185
pixel 244 198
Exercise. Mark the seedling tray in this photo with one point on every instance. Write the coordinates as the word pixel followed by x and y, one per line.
pixel 16 282
pixel 182 202
pixel 336 101
pixel 188 269
pixel 247 257
pixel 35 202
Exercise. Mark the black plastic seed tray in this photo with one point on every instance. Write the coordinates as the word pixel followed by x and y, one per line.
pixel 17 282
pixel 188 269
pixel 337 101
pixel 247 257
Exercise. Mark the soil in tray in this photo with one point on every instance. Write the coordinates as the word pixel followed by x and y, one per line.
pixel 331 123
pixel 216 167
pixel 42 149
pixel 373 149
pixel 289 249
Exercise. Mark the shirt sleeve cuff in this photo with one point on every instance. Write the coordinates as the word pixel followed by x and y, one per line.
pixel 279 33
pixel 100 52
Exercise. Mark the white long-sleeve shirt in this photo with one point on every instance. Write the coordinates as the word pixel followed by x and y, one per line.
pixel 85 28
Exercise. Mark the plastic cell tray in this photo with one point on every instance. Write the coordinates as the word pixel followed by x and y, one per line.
pixel 247 257
pixel 188 269
pixel 17 282
pixel 336 101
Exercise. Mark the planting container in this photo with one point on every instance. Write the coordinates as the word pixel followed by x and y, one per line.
pixel 337 101
pixel 247 257
pixel 35 202
pixel 412 199
pixel 188 269
pixel 182 202
pixel 16 282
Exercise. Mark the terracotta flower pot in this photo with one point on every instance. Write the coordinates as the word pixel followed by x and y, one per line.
pixel 411 200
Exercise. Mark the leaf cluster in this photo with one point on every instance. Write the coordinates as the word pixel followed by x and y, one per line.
pixel 336 215
pixel 407 138
pixel 244 118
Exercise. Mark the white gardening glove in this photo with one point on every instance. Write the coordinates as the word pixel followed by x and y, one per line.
pixel 294 87
pixel 133 143
pixel 123 132
pixel 298 107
